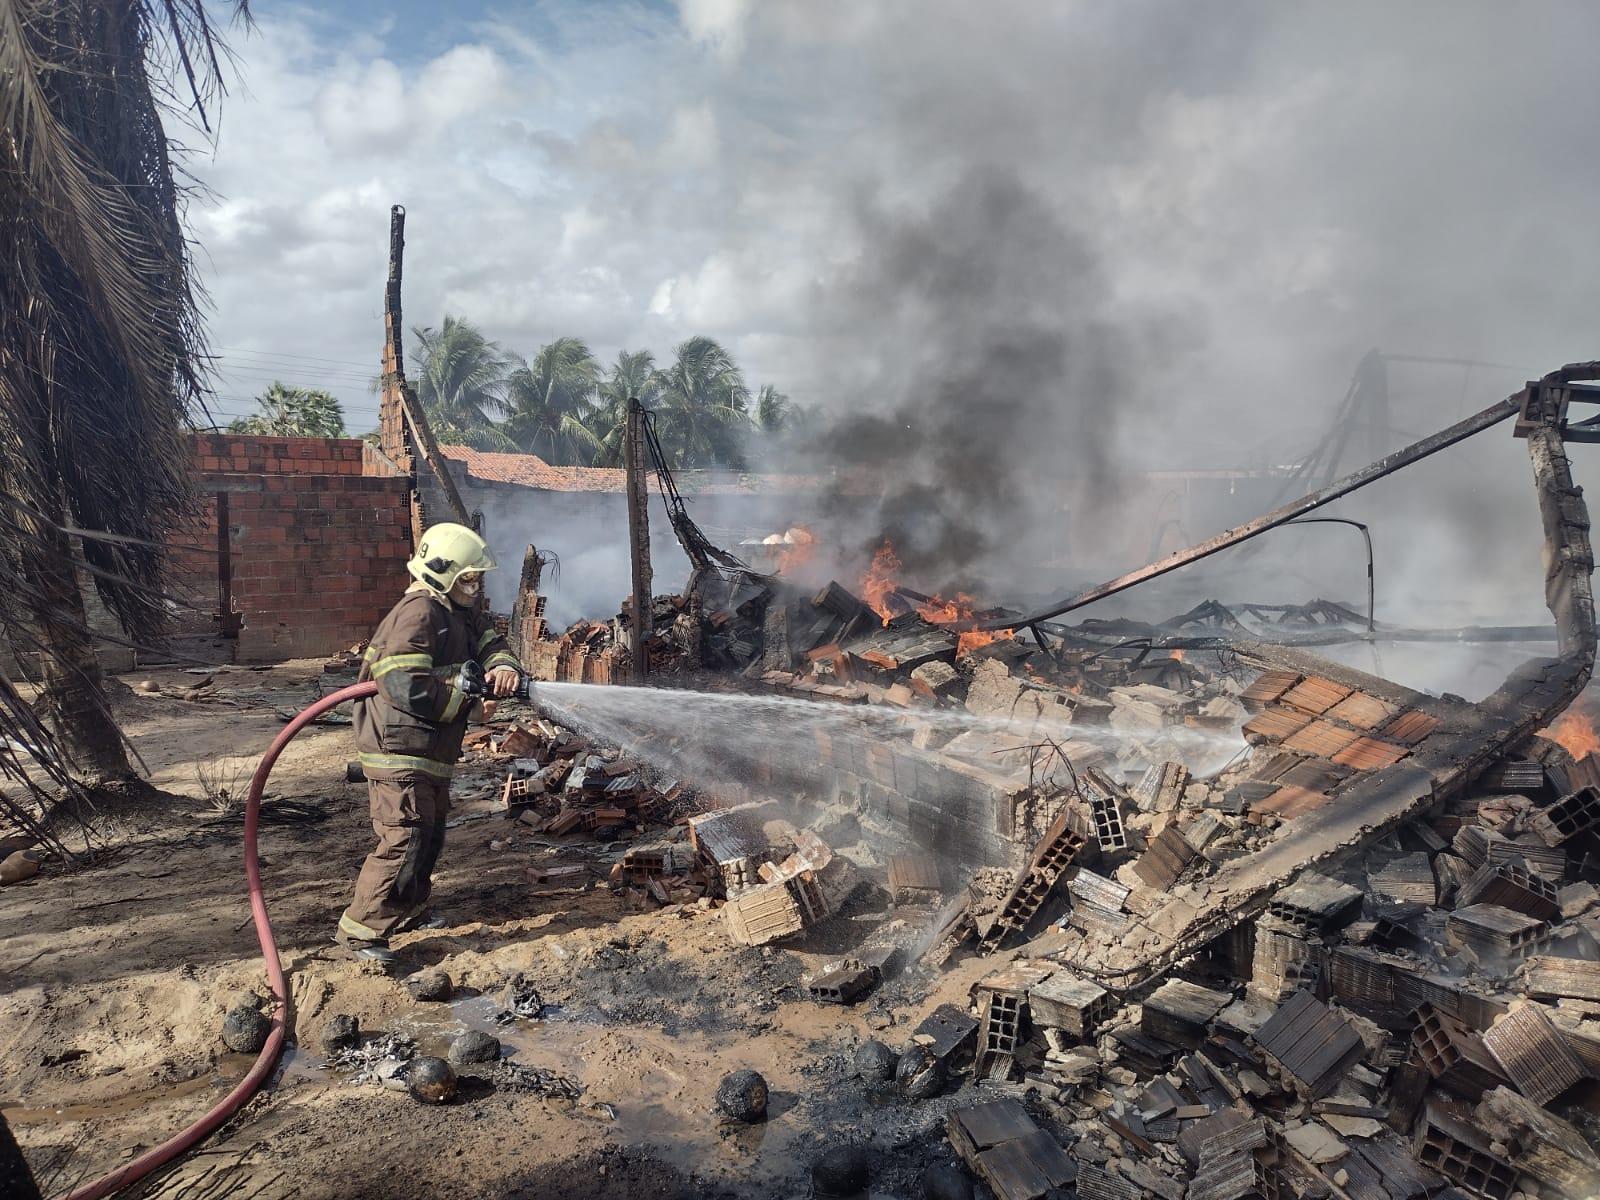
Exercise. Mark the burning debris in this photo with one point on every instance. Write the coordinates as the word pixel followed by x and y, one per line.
pixel 1355 956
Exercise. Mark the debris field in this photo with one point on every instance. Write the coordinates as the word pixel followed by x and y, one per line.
pixel 983 913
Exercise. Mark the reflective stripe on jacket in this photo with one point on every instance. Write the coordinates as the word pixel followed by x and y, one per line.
pixel 418 717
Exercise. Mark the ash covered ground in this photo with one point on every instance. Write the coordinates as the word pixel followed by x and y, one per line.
pixel 632 928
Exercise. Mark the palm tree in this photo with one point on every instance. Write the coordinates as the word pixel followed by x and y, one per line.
pixel 294 412
pixel 548 401
pixel 461 382
pixel 702 411
pixel 101 349
pixel 774 410
pixel 633 375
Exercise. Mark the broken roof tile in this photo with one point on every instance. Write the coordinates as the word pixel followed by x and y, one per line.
pixel 1409 728
pixel 1321 738
pixel 1290 802
pixel 1533 1054
pixel 1406 879
pixel 1369 754
pixel 1310 1043
pixel 1268 686
pixel 1317 774
pixel 1163 861
pixel 1273 725
pixel 1316 695
pixel 1361 710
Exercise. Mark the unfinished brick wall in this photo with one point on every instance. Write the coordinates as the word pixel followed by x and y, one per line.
pixel 318 535
pixel 946 807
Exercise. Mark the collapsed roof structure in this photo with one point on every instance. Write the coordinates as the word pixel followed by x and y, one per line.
pixel 1276 944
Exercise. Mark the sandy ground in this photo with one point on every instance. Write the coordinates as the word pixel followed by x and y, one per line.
pixel 117 976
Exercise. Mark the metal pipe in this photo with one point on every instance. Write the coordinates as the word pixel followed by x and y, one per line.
pixel 1367 535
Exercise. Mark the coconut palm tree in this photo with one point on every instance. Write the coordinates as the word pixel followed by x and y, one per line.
pixel 549 400
pixel 461 384
pixel 632 375
pixel 294 412
pixel 703 408
pixel 774 410
pixel 101 351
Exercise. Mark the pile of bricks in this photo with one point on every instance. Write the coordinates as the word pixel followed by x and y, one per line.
pixel 1422 1020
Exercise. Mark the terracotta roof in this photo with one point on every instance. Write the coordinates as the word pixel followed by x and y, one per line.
pixel 1268 687
pixel 1409 728
pixel 1322 738
pixel 531 471
pixel 1288 803
pixel 1361 711
pixel 1273 725
pixel 1316 695
pixel 1369 754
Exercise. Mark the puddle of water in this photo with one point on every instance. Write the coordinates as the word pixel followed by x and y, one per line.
pixel 295 1068
pixel 227 1072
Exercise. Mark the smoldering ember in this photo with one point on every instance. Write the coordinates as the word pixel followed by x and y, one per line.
pixel 952 780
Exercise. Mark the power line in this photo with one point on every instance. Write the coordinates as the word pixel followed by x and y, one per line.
pixel 285 354
pixel 294 373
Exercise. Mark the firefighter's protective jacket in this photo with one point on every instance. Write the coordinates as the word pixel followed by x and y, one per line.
pixel 418 717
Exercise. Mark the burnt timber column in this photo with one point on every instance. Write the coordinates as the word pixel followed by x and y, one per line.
pixel 638 535
pixel 403 429
pixel 393 437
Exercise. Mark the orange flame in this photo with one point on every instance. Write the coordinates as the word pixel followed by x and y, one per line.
pixel 880 580
pixel 883 576
pixel 941 612
pixel 1576 733
pixel 800 547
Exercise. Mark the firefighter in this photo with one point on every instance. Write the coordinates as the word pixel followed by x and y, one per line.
pixel 434 654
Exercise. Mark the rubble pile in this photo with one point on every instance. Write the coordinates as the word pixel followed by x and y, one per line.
pixel 1423 1021
pixel 558 784
pixel 670 844
pixel 599 651
pixel 1357 955
pixel 1421 1018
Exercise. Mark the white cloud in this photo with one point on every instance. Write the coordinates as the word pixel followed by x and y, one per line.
pixel 1262 186
pixel 718 23
pixel 661 298
pixel 693 140
pixel 369 105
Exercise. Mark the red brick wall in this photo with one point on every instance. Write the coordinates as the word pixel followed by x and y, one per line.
pixel 319 532
pixel 218 453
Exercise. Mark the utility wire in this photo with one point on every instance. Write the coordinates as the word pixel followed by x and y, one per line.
pixel 285 354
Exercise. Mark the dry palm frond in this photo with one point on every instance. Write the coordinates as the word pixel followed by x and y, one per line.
pixel 101 351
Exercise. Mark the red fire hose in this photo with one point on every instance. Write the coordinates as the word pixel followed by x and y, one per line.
pixel 268 1058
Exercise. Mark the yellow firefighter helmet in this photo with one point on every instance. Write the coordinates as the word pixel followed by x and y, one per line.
pixel 447 552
